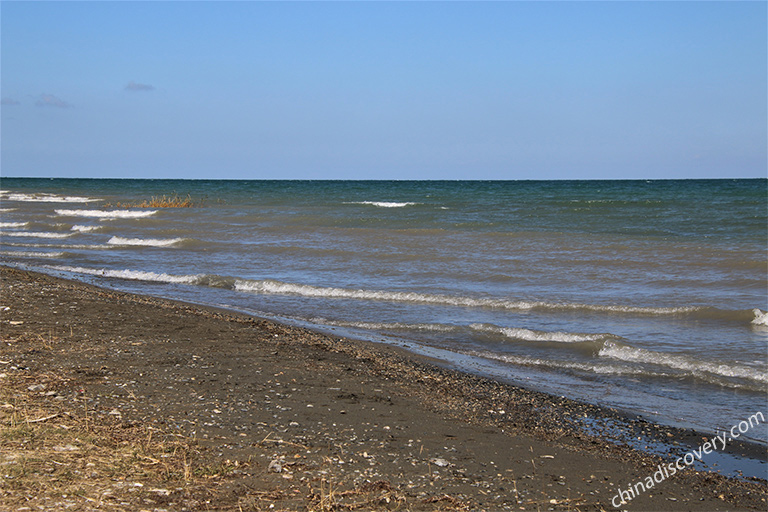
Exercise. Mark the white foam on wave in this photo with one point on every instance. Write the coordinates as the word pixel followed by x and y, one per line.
pixel 44 198
pixel 605 369
pixel 32 254
pixel 136 275
pixel 509 332
pixel 4 210
pixel 389 326
pixel 58 246
pixel 687 364
pixel 531 335
pixel 85 229
pixel 761 317
pixel 13 224
pixel 35 234
pixel 146 242
pixel 617 367
pixel 269 286
pixel 107 214
pixel 282 288
pixel 384 204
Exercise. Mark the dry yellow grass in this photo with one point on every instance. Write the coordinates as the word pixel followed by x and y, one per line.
pixel 54 456
pixel 173 201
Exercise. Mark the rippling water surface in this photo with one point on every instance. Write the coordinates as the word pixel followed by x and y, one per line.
pixel 649 296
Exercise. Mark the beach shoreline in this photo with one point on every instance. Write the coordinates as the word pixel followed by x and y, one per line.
pixel 354 414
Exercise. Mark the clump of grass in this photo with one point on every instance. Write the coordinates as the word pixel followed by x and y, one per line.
pixel 173 201
pixel 164 201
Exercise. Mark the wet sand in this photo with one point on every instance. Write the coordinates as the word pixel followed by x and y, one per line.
pixel 297 410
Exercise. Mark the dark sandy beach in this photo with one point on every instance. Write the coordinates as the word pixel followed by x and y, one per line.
pixel 298 415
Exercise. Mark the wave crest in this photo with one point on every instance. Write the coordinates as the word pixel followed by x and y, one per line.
pixel 35 234
pixel 107 214
pixel 85 229
pixel 136 275
pixel 514 333
pixel 761 317
pixel 145 242
pixel 42 197
pixel 384 204
pixel 518 333
pixel 32 254
pixel 683 363
pixel 283 288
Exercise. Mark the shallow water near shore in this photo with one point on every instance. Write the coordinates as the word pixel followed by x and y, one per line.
pixel 629 294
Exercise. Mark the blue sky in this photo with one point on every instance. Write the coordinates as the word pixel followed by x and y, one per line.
pixel 389 90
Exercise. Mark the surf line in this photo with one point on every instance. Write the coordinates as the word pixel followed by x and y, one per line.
pixel 663 472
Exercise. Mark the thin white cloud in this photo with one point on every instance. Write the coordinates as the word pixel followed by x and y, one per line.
pixel 133 86
pixel 49 100
pixel 9 101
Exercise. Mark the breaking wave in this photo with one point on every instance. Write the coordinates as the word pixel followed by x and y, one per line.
pixel 598 368
pixel 32 254
pixel 646 363
pixel 388 326
pixel 146 242
pixel 687 364
pixel 35 234
pixel 512 333
pixel 107 214
pixel 85 229
pixel 44 198
pixel 137 275
pixel 13 224
pixel 531 335
pixel 269 286
pixel 384 204
pixel 761 317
